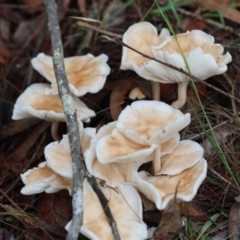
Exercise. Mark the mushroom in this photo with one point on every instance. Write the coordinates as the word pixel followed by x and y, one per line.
pixel 42 179
pixel 34 103
pixel 117 148
pixel 85 73
pixel 151 122
pixel 142 36
pixel 113 174
pixel 161 189
pixel 126 208
pixel 183 170
pixel 196 47
pixel 58 154
pixel 136 93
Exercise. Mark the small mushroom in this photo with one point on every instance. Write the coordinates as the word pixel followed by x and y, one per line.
pixel 142 36
pixel 42 179
pixel 151 122
pixel 161 189
pixel 85 73
pixel 113 174
pixel 197 47
pixel 136 93
pixel 58 154
pixel 126 208
pixel 34 103
pixel 117 148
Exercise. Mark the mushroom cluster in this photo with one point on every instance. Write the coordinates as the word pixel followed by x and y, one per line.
pixel 145 132
pixel 85 74
pixel 193 51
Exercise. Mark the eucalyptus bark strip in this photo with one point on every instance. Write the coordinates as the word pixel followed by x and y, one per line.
pixel 71 119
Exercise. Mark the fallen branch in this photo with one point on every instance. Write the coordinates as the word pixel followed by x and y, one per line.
pixel 79 169
pixel 71 118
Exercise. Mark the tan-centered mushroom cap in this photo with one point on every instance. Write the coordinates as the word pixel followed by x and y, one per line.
pixel 113 173
pixel 136 93
pixel 151 122
pixel 42 179
pixel 85 73
pixel 186 154
pixel 58 154
pixel 34 103
pixel 126 208
pixel 161 189
pixel 116 147
pixel 140 36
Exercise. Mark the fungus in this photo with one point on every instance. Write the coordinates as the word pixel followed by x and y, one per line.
pixel 151 122
pixel 43 178
pixel 34 103
pixel 58 154
pixel 183 170
pixel 113 173
pixel 136 93
pixel 85 73
pixel 126 208
pixel 204 58
pixel 161 189
pixel 142 36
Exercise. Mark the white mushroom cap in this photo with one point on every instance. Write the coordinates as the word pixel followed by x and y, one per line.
pixel 161 189
pixel 42 179
pixel 116 147
pixel 126 208
pixel 136 93
pixel 113 173
pixel 140 36
pixel 151 122
pixel 58 157
pixel 34 103
pixel 58 154
pixel 85 73
pixel 186 154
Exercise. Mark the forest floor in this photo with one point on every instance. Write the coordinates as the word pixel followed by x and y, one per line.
pixel 24 34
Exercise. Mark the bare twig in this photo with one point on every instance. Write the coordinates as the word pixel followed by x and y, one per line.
pixel 98 29
pixel 79 169
pixel 104 203
pixel 71 119
pixel 175 68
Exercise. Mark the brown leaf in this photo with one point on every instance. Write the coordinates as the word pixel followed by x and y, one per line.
pixel 234 221
pixel 170 223
pixel 189 24
pixel 55 210
pixel 117 97
pixel 188 210
pixel 228 12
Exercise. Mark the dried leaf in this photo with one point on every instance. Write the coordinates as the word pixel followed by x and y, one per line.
pixel 234 221
pixel 118 96
pixel 228 12
pixel 82 7
pixel 170 223
pixel 188 210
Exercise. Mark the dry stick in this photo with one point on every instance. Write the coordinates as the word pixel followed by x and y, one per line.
pixel 79 170
pixel 175 68
pixel 71 119
pixel 103 201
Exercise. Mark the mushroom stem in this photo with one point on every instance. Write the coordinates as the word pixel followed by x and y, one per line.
pixel 155 90
pixel 182 95
pixel 157 160
pixel 129 174
pixel 54 131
